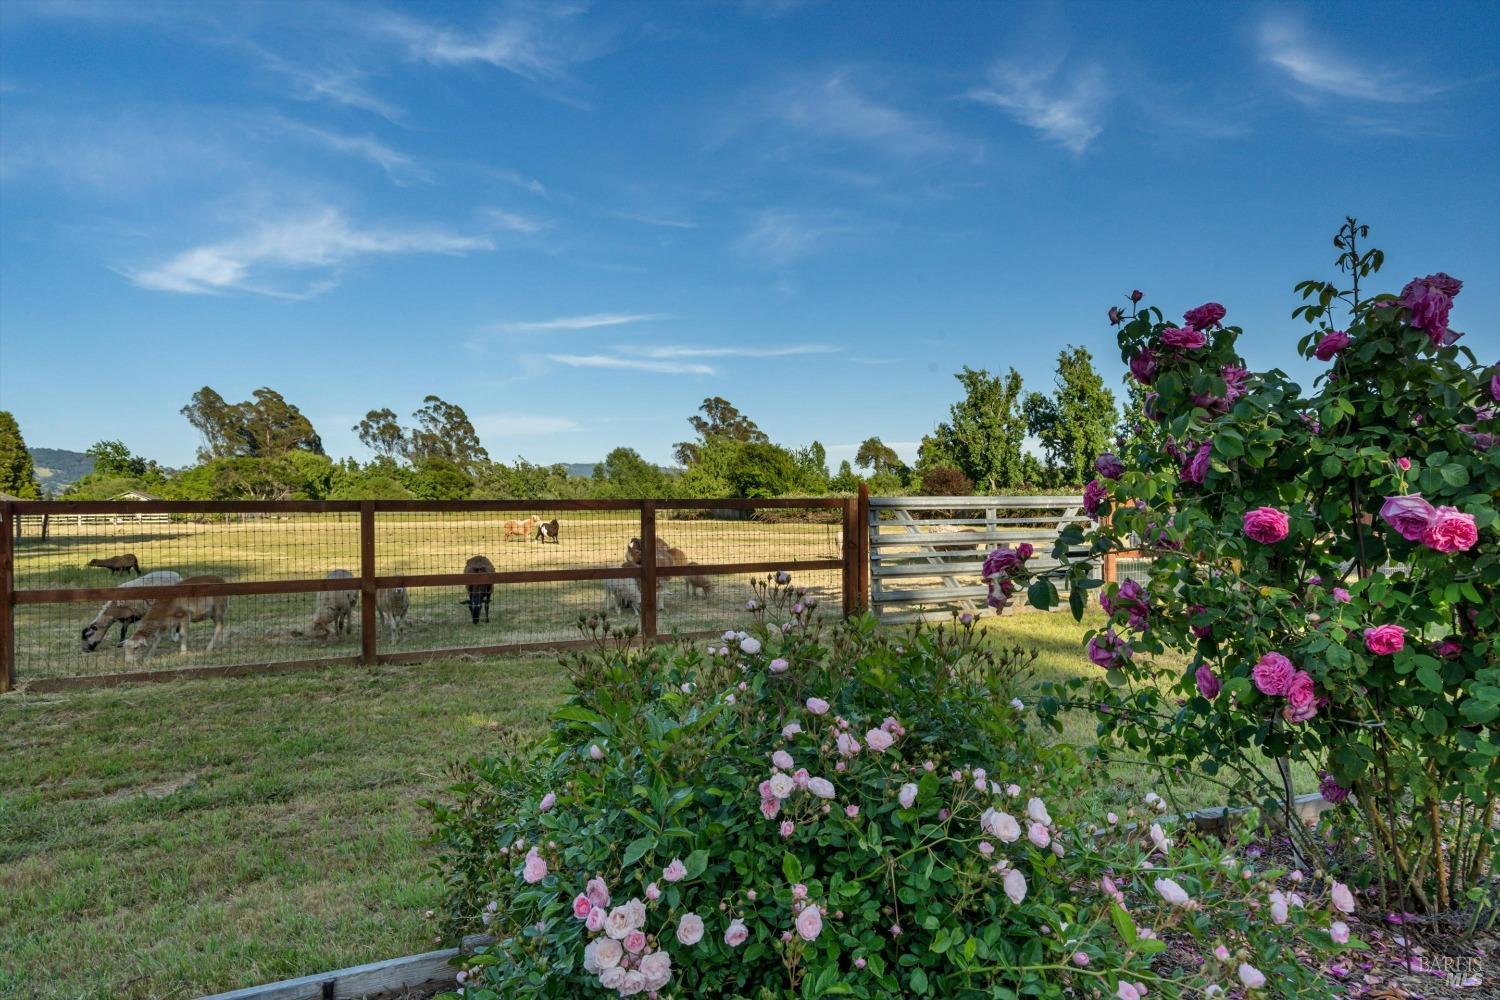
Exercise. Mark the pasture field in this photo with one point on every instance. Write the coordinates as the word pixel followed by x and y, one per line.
pixel 168 840
pixel 268 628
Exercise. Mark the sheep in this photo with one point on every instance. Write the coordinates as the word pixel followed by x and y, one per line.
pixel 546 530
pixel 667 555
pixel 119 564
pixel 523 529
pixel 126 612
pixel 479 593
pixel 697 583
pixel 392 605
pixel 177 612
pixel 625 594
pixel 334 607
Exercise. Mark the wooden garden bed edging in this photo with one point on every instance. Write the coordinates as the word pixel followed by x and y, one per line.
pixel 430 969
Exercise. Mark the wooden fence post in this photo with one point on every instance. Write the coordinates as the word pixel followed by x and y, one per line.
pixel 8 520
pixel 369 628
pixel 862 550
pixel 648 570
pixel 846 553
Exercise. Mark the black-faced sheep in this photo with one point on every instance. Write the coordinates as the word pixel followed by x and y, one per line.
pixel 126 612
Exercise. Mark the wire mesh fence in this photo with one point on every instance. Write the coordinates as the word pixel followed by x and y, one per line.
pixel 116 590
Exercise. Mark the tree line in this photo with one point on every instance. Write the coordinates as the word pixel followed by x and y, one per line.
pixel 997 438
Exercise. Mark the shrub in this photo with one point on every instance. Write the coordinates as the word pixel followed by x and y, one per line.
pixel 946 481
pixel 1327 562
pixel 854 811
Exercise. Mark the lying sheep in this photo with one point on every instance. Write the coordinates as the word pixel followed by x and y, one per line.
pixel 334 607
pixel 392 605
pixel 126 612
pixel 119 564
pixel 176 612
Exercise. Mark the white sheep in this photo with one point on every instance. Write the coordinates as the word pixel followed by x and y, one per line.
pixel 392 605
pixel 333 607
pixel 126 612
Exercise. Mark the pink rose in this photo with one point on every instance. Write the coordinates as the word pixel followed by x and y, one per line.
pixel 1409 515
pixel 1015 885
pixel 635 942
pixel 1109 466
pixel 770 808
pixel 736 934
pixel 1183 338
pixel 1143 366
pixel 581 907
pixel 653 891
pixel 1205 317
pixel 1266 525
pixel 1330 345
pixel 817 706
pixel 1273 674
pixel 787 828
pixel 548 801
pixel 595 919
pixel 1450 530
pixel 1403 463
pixel 1094 494
pixel 1208 684
pixel 536 867
pixel 1339 931
pixel 1341 595
pixel 1383 640
pixel 1038 835
pixel 1343 899
pixel 1301 698
pixel 809 923
pixel 878 740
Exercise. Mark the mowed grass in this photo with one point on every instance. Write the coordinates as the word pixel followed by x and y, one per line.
pixel 175 839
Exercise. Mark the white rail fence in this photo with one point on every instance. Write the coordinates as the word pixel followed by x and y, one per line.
pixel 927 553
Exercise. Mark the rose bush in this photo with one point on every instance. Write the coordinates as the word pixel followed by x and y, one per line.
pixel 805 811
pixel 1330 570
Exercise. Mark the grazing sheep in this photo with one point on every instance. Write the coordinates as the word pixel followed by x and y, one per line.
pixel 546 530
pixel 334 607
pixel 392 605
pixel 635 550
pixel 479 593
pixel 697 583
pixel 177 612
pixel 126 612
pixel 625 594
pixel 523 529
pixel 118 564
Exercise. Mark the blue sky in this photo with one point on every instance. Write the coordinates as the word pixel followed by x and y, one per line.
pixel 579 221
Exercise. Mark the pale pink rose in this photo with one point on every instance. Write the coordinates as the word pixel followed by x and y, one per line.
pixel 851 811
pixel 618 924
pixel 1172 892
pixel 986 848
pixel 1450 531
pixel 1127 991
pixel 653 892
pixel 737 933
pixel 1252 977
pixel 848 745
pixel 783 760
pixel 821 787
pixel 1409 515
pixel 791 729
pixel 1080 959
pixel 810 923
pixel 1159 838
pixel 607 953
pixel 907 796
pixel 878 740
pixel 1221 953
pixel 1012 790
pixel 1266 525
pixel 782 785
pixel 595 753
pixel 770 808
pixel 817 706
pixel 1343 899
pixel 635 942
pixel 1273 674
pixel 779 666
pixel 1280 911
pixel 1038 835
pixel 581 907
pixel 1339 931
pixel 676 871
pixel 536 867
pixel 750 645
pixel 635 910
pixel 800 778
pixel 548 801
pixel 595 921
pixel 1038 812
pixel 787 828
pixel 1015 885
pixel 656 970
pixel 690 929
pixel 799 890
pixel 1001 826
pixel 614 978
pixel 1383 640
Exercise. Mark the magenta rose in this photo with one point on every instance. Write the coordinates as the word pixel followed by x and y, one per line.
pixel 1450 530
pixel 1183 338
pixel 1003 561
pixel 1108 466
pixel 1115 315
pixel 1430 304
pixel 1273 674
pixel 1266 525
pixel 1450 648
pixel 1205 317
pixel 1330 789
pixel 1025 550
pixel 1195 469
pixel 1495 385
pixel 1137 295
pixel 1093 497
pixel 1409 515
pixel 1383 640
pixel 1201 631
pixel 1330 345
pixel 1234 377
pixel 1107 650
pixel 1208 684
pixel 1143 366
pixel 1301 698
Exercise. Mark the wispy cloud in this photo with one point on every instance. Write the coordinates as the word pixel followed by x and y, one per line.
pixel 836 107
pixel 1066 107
pixel 588 322
pixel 779 237
pixel 666 222
pixel 399 168
pixel 513 222
pixel 690 351
pixel 259 261
pixel 522 424
pixel 341 84
pixel 1317 66
pixel 537 43
pixel 630 364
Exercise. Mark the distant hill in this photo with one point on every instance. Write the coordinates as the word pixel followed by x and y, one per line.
pixel 584 469
pixel 57 468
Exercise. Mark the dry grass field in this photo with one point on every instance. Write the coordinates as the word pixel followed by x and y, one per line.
pixel 269 628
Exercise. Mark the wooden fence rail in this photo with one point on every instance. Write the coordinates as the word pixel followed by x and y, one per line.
pixel 368 582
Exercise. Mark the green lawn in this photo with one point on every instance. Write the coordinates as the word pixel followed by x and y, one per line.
pixel 174 839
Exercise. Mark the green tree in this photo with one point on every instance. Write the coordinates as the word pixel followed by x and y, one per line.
pixel 381 432
pixel 984 433
pixel 113 458
pixel 846 481
pixel 264 426
pixel 625 475
pixel 17 473
pixel 877 456
pixel 444 432
pixel 812 468
pixel 1074 423
pixel 760 470
pixel 719 419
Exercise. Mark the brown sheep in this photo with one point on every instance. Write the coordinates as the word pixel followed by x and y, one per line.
pixel 176 612
pixel 126 612
pixel 119 564
pixel 479 593
pixel 522 529
pixel 667 555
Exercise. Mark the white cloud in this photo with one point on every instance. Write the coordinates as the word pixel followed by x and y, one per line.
pixel 587 322
pixel 1315 65
pixel 321 241
pixel 630 364
pixel 835 107
pixel 687 351
pixel 779 237
pixel 534 44
pixel 521 424
pixel 1065 108
pixel 399 167
pixel 514 222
